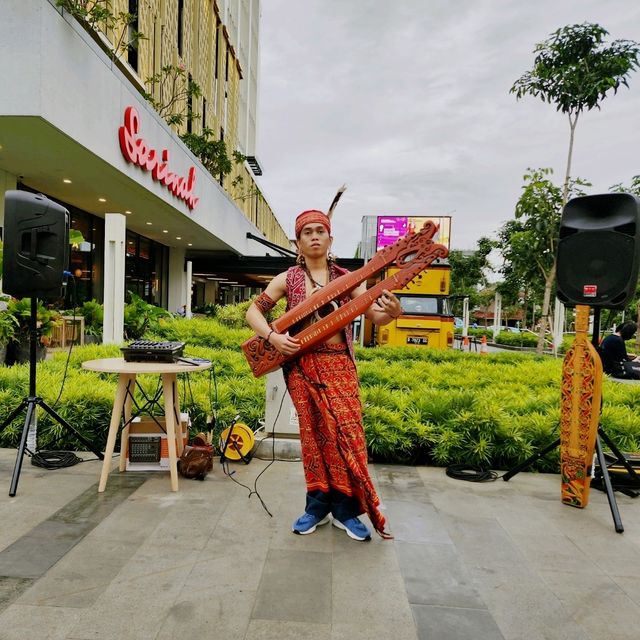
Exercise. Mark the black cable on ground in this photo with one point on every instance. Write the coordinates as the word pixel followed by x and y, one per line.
pixel 55 459
pixel 470 473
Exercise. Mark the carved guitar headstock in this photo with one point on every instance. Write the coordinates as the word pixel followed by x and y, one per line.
pixel 410 247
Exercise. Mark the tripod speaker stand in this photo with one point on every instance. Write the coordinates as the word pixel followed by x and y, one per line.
pixel 31 403
pixel 599 454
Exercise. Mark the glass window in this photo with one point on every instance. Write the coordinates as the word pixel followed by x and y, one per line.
pixel 420 305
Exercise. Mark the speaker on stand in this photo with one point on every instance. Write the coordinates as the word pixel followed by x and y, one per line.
pixel 597 266
pixel 35 256
pixel 598 251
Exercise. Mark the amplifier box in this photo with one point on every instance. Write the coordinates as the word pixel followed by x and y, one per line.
pixel 145 428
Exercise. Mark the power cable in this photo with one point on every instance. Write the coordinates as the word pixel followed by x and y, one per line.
pixel 55 459
pixel 470 473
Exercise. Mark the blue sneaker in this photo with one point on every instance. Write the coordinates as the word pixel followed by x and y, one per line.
pixel 307 523
pixel 354 528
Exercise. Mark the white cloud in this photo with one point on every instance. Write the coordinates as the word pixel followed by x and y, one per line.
pixel 408 103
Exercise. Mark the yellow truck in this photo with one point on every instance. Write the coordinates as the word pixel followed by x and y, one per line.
pixel 426 319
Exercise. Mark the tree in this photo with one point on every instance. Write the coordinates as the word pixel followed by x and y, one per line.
pixel 575 70
pixel 468 270
pixel 176 91
pixel 633 187
pixel 97 15
pixel 213 153
pixel 529 243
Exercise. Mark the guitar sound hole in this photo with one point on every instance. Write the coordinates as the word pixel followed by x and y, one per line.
pixel 325 310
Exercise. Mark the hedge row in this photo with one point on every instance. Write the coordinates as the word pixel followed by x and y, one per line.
pixel 420 406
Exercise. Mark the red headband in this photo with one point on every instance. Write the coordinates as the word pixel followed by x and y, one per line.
pixel 309 217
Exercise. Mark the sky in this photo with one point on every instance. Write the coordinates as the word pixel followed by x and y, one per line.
pixel 408 104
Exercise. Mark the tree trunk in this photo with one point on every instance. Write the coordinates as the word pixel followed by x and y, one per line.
pixel 546 303
pixel 567 173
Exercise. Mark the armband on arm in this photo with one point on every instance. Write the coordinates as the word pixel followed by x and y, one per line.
pixel 264 302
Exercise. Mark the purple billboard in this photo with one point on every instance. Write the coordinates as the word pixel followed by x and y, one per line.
pixel 391 228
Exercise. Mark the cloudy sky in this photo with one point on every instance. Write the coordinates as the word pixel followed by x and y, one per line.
pixel 408 103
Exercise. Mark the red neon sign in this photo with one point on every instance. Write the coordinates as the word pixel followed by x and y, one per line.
pixel 136 151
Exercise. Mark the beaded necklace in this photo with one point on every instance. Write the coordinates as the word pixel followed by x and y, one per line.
pixel 331 305
pixel 315 283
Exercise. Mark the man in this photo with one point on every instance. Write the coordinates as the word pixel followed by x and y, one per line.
pixel 323 385
pixel 613 352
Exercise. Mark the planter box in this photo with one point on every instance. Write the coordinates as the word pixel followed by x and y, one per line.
pixel 21 352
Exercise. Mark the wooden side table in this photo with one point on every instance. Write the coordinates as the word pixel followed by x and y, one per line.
pixel 71 329
pixel 127 372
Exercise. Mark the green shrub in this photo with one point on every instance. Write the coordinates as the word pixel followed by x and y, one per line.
pixel 521 339
pixel 141 317
pixel 419 406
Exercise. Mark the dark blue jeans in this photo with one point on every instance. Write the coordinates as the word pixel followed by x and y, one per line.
pixel 341 506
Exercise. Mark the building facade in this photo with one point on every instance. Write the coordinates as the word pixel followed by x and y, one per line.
pixel 92 113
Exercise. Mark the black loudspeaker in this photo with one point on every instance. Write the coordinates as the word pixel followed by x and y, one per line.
pixel 36 245
pixel 597 262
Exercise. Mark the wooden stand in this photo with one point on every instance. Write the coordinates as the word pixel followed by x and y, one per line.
pixel 579 413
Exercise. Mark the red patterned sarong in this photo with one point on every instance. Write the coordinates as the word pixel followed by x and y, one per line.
pixel 323 385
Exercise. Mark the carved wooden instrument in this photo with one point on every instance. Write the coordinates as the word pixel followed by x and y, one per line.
pixel 579 413
pixel 411 254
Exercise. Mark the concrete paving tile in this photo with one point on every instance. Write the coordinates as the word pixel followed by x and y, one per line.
pixel 19 622
pixel 617 618
pixel 291 580
pixel 36 501
pixel 396 482
pixel 90 507
pixel 598 603
pixel 368 590
pixel 482 542
pixel 415 522
pixel 242 520
pixel 433 574
pixel 523 606
pixel 31 556
pixel 201 614
pixel 581 592
pixel 285 630
pixel 231 568
pixel 132 521
pixel 136 602
pixel 611 552
pixel 188 525
pixel 527 517
pixel 450 623
pixel 197 562
pixel 79 578
pixel 11 589
pixel 371 631
pixel 630 585
pixel 553 553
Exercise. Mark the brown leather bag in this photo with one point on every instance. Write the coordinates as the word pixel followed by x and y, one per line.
pixel 196 462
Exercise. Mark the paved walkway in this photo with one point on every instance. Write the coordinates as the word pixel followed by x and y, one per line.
pixel 469 561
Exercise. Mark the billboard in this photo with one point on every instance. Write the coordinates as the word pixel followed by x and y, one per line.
pixel 391 228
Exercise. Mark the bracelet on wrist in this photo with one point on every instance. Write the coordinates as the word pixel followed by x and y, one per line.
pixel 269 335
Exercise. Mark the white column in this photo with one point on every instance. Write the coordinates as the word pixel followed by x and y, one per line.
pixel 465 317
pixel 115 232
pixel 558 325
pixel 176 278
pixel 497 315
pixel 188 284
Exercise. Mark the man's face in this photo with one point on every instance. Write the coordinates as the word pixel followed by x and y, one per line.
pixel 314 240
